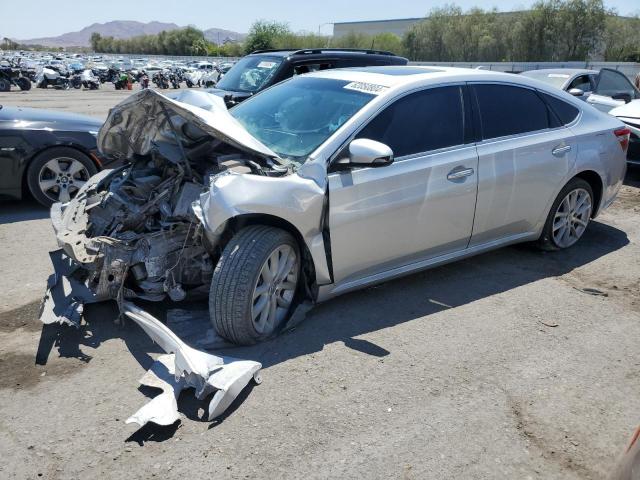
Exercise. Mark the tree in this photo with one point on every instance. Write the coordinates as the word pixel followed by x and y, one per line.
pixel 264 35
pixel 96 38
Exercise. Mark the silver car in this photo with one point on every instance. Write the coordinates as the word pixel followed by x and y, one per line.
pixel 330 182
pixel 604 89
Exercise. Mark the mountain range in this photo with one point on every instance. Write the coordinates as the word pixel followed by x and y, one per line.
pixel 124 29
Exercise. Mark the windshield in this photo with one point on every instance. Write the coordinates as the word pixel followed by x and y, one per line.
pixel 555 79
pixel 250 74
pixel 294 117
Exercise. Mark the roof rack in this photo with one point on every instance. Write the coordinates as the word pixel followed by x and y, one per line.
pixel 310 51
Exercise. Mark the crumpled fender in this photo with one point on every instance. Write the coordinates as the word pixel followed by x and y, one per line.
pixel 295 198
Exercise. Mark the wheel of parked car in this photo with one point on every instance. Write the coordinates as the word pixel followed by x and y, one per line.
pixel 254 284
pixel 57 174
pixel 24 83
pixel 5 85
pixel 569 216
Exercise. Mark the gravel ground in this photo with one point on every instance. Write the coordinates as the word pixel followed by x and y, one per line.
pixel 499 366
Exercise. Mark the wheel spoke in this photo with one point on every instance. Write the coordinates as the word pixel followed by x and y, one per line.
pixel 75 167
pixel 283 264
pixel 260 290
pixel 54 166
pixel 47 184
pixel 259 307
pixel 273 304
pixel 63 195
pixel 580 222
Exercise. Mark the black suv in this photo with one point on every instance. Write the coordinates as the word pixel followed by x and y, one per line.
pixel 264 68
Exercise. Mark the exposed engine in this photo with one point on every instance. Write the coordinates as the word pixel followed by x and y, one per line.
pixel 133 231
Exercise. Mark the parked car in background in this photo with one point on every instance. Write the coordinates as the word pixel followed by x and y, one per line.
pixel 630 115
pixel 296 190
pixel 604 90
pixel 264 68
pixel 50 154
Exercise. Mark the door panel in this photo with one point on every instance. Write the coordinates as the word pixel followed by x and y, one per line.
pixel 380 218
pixel 13 151
pixel 516 179
pixel 610 83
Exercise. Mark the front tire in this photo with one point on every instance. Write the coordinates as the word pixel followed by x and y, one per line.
pixel 57 174
pixel 5 85
pixel 254 284
pixel 569 216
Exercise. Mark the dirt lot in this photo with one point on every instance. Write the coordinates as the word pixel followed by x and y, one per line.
pixel 500 366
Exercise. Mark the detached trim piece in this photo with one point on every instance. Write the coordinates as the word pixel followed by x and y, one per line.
pixel 186 367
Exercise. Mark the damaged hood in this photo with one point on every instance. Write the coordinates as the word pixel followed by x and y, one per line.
pixel 135 124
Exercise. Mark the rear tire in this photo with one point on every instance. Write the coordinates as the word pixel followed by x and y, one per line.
pixel 48 187
pixel 254 284
pixel 24 83
pixel 5 85
pixel 569 216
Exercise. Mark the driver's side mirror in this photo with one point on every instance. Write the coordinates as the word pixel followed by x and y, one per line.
pixel 576 92
pixel 366 153
pixel 622 96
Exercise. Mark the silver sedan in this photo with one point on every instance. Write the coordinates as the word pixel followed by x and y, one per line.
pixel 333 181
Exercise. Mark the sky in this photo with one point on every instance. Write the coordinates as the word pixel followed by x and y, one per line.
pixel 38 18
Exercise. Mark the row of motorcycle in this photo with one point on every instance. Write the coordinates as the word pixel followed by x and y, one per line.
pixel 76 76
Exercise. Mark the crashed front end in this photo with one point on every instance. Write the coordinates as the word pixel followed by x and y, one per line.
pixel 131 233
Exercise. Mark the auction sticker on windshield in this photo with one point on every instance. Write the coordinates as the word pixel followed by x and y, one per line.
pixel 265 64
pixel 371 88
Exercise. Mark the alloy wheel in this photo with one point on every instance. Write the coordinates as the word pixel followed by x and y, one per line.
pixel 572 217
pixel 275 289
pixel 61 178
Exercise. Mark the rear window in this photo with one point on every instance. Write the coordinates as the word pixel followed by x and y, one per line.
pixel 566 112
pixel 510 110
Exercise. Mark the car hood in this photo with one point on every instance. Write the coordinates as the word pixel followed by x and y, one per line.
pixel 629 110
pixel 36 118
pixel 135 124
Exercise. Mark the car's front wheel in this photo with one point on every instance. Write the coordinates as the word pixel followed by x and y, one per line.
pixel 569 216
pixel 254 284
pixel 57 174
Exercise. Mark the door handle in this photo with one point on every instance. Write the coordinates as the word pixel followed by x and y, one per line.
pixel 560 151
pixel 457 174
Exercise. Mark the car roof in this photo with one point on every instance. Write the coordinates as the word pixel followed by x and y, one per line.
pixel 393 75
pixel 567 71
pixel 393 78
pixel 328 52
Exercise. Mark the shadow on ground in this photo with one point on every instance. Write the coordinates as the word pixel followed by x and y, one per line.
pixel 345 318
pixel 12 211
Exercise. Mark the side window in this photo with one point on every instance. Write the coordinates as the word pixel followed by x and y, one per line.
pixel 311 67
pixel 566 112
pixel 582 82
pixel 420 122
pixel 510 110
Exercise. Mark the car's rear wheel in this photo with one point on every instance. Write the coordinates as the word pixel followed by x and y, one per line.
pixel 5 85
pixel 254 284
pixel 57 174
pixel 24 83
pixel 569 216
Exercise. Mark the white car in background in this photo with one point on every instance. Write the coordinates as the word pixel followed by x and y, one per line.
pixel 630 115
pixel 604 90
pixel 609 91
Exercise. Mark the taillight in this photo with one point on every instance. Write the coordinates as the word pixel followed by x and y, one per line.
pixel 623 134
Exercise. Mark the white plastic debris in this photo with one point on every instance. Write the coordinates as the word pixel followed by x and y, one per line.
pixel 187 367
